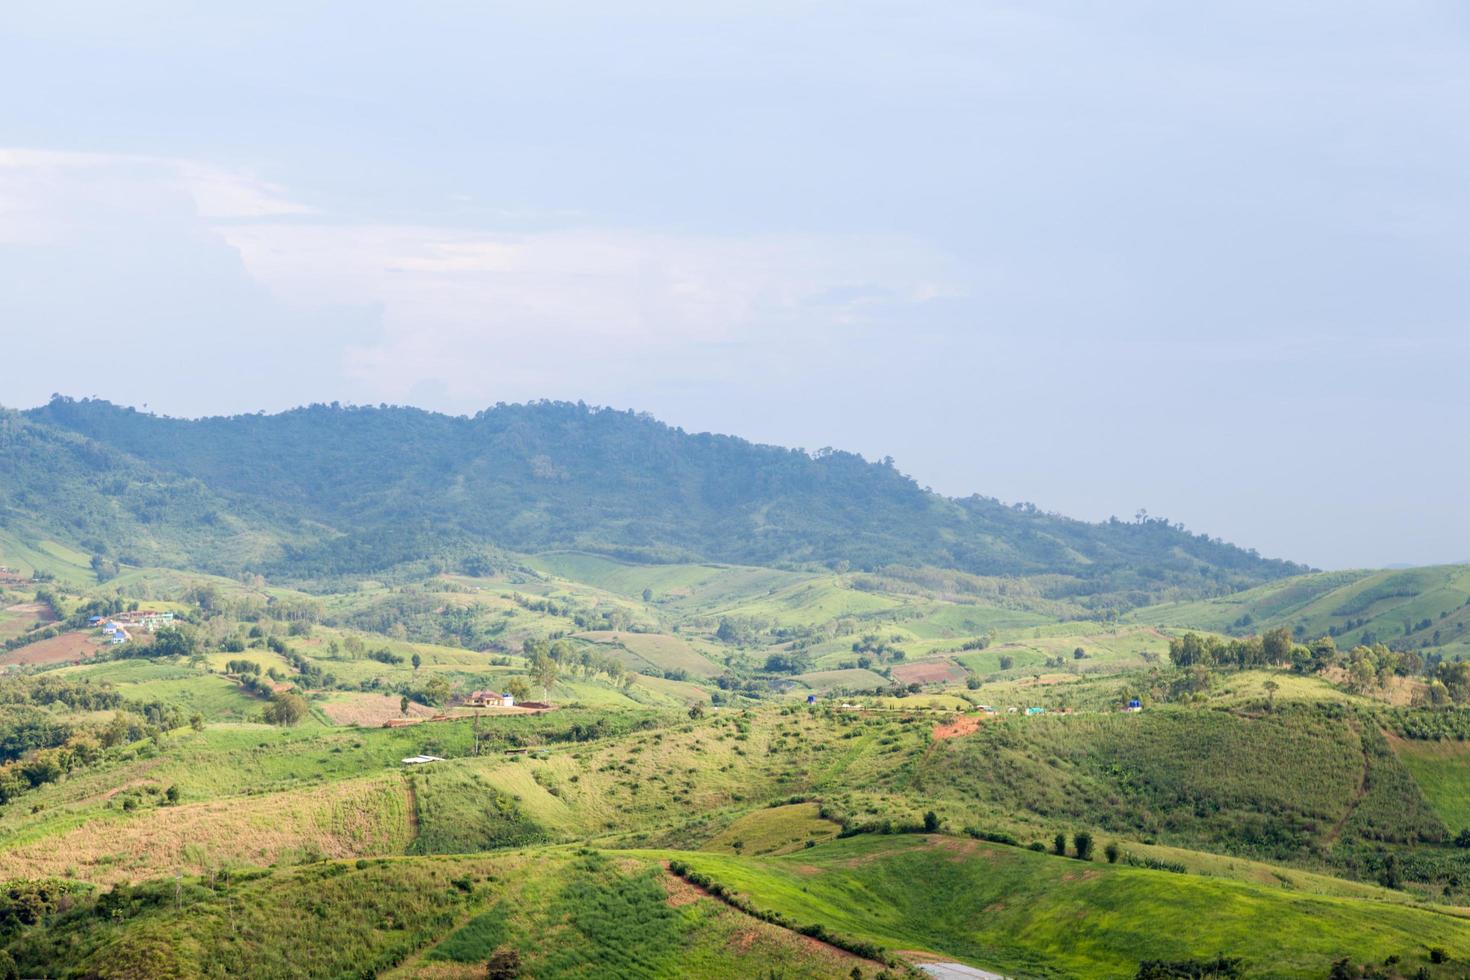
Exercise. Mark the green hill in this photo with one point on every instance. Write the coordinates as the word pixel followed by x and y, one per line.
pixel 1416 608
pixel 396 484
pixel 1029 914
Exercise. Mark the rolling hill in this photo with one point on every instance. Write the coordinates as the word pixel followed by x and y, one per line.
pixel 1414 608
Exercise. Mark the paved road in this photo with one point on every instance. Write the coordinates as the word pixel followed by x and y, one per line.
pixel 957 971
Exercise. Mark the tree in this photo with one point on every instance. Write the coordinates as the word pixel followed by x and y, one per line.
pixel 1112 852
pixel 504 964
pixel 1079 654
pixel 1082 845
pixel 517 688
pixel 417 662
pixel 196 722
pixel 1276 645
pixel 931 822
pixel 403 706
pixel 647 595
pixel 1059 845
pixel 171 795
pixel 174 641
pixel 1271 688
pixel 286 708
pixel 696 712
pixel 544 671
pixel 1007 662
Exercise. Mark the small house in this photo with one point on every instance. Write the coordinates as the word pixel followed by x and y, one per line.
pixel 1134 705
pixel 119 638
pixel 1035 711
pixel 490 699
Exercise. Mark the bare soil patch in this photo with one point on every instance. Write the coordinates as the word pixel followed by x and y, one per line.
pixel 371 710
pixel 71 647
pixel 23 617
pixel 959 728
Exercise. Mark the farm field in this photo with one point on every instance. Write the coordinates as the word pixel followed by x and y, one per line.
pixel 70 647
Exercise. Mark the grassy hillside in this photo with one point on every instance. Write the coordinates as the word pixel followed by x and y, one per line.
pixel 1029 914
pixel 566 914
pixel 1418 608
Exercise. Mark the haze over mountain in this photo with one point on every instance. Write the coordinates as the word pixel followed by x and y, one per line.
pixel 328 489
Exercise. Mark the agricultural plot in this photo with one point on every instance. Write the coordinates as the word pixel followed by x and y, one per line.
pixel 690 589
pixel 72 647
pixel 22 617
pixel 774 830
pixel 139 836
pixel 655 653
pixel 1442 772
pixel 371 710
pixel 850 679
pixel 928 672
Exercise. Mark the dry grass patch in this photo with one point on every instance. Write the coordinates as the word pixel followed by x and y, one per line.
pixel 345 819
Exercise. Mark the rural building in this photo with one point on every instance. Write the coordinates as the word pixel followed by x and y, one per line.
pixel 490 699
pixel 1134 705
pixel 148 619
pixel 419 760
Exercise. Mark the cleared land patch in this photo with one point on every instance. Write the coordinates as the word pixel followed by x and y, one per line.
pixel 656 653
pixel 71 647
pixel 371 710
pixel 774 830
pixel 929 672
pixel 1442 770
pixel 343 819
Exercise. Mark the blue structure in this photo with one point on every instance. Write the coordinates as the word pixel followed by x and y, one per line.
pixel 811 699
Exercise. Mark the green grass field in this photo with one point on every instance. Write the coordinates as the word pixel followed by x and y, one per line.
pixel 1442 772
pixel 1012 910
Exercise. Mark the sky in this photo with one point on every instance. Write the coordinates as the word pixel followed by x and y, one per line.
pixel 1207 260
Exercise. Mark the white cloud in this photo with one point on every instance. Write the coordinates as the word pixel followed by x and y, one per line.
pixel 479 314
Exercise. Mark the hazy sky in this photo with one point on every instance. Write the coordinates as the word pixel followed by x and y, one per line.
pixel 1212 260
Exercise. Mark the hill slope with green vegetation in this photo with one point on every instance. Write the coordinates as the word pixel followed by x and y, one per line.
pixel 399 483
pixel 1409 609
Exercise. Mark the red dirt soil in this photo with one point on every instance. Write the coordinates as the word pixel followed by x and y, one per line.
pixel 929 672
pixel 960 727
pixel 67 648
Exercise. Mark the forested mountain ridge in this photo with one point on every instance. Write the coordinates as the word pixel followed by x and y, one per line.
pixel 112 504
pixel 395 483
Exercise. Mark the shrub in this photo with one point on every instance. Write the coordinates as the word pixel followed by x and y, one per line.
pixel 1111 852
pixel 504 964
pixel 1220 967
pixel 1059 845
pixel 1082 845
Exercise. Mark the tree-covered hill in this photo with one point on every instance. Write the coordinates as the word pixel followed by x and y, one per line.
pixel 397 483
pixel 115 506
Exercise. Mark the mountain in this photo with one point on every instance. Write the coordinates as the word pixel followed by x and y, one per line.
pixel 328 489
pixel 57 483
